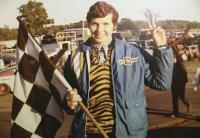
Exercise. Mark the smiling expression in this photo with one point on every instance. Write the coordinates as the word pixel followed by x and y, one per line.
pixel 102 28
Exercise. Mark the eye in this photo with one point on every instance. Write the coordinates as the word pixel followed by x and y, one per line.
pixel 93 24
pixel 106 24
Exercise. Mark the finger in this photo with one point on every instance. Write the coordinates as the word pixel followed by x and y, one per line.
pixel 72 105
pixel 74 97
pixel 153 22
pixel 70 96
pixel 73 91
pixel 159 30
pixel 149 16
pixel 150 26
pixel 151 19
pixel 75 104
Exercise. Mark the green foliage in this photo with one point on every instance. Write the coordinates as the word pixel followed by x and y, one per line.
pixel 35 16
pixel 127 24
pixel 53 29
pixel 140 24
pixel 76 25
pixel 8 34
pixel 133 26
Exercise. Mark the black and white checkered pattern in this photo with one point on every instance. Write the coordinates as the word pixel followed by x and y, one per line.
pixel 39 91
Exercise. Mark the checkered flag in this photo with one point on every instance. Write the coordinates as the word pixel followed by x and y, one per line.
pixel 39 91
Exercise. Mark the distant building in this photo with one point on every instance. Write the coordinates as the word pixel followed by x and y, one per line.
pixel 66 39
pixel 9 43
pixel 125 35
pixel 82 34
pixel 191 32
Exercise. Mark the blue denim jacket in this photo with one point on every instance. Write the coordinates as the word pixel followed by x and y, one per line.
pixel 132 68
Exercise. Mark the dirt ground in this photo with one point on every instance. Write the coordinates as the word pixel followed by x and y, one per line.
pixel 159 109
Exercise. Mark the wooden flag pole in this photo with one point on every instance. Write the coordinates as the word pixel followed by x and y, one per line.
pixel 93 119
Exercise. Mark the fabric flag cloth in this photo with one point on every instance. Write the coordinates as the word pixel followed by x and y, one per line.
pixel 39 91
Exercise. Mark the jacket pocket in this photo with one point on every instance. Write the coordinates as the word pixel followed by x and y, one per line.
pixel 136 117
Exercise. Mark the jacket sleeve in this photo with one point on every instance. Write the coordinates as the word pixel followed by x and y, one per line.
pixel 71 79
pixel 158 68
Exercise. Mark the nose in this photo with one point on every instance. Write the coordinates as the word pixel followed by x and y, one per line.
pixel 100 28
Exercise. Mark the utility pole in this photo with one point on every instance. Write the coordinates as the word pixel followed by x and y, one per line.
pixel 83 28
pixel 65 24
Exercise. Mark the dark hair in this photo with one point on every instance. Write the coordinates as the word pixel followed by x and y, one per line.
pixel 102 9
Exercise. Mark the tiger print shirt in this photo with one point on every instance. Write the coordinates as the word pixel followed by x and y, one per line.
pixel 101 104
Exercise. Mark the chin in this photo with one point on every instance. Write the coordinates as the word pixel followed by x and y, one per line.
pixel 100 41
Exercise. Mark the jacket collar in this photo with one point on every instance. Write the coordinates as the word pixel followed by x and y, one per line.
pixel 117 44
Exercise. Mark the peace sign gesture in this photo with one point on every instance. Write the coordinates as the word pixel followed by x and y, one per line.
pixel 159 34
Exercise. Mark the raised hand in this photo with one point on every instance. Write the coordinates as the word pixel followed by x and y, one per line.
pixel 159 34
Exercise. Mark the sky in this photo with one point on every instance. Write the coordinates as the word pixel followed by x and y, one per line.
pixel 69 11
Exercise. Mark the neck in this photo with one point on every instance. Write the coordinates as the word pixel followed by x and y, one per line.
pixel 107 42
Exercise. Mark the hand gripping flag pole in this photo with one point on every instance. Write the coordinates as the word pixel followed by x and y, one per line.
pixel 38 93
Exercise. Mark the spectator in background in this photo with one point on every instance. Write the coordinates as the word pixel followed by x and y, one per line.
pixel 179 80
pixel 4 89
pixel 198 43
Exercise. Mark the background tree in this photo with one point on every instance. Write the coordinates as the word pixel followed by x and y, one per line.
pixel 35 16
pixel 7 34
pixel 77 25
pixel 140 24
pixel 126 24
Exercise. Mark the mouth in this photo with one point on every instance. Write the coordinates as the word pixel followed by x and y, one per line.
pixel 99 36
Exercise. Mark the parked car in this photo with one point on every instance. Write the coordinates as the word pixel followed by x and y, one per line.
pixel 145 44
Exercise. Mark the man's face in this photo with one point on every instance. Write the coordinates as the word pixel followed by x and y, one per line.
pixel 102 29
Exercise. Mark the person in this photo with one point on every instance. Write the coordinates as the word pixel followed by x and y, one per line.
pixel 198 42
pixel 196 80
pixel 108 76
pixel 179 80
pixel 4 89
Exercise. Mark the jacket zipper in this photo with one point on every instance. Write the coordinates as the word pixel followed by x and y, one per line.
pixel 88 71
pixel 114 95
